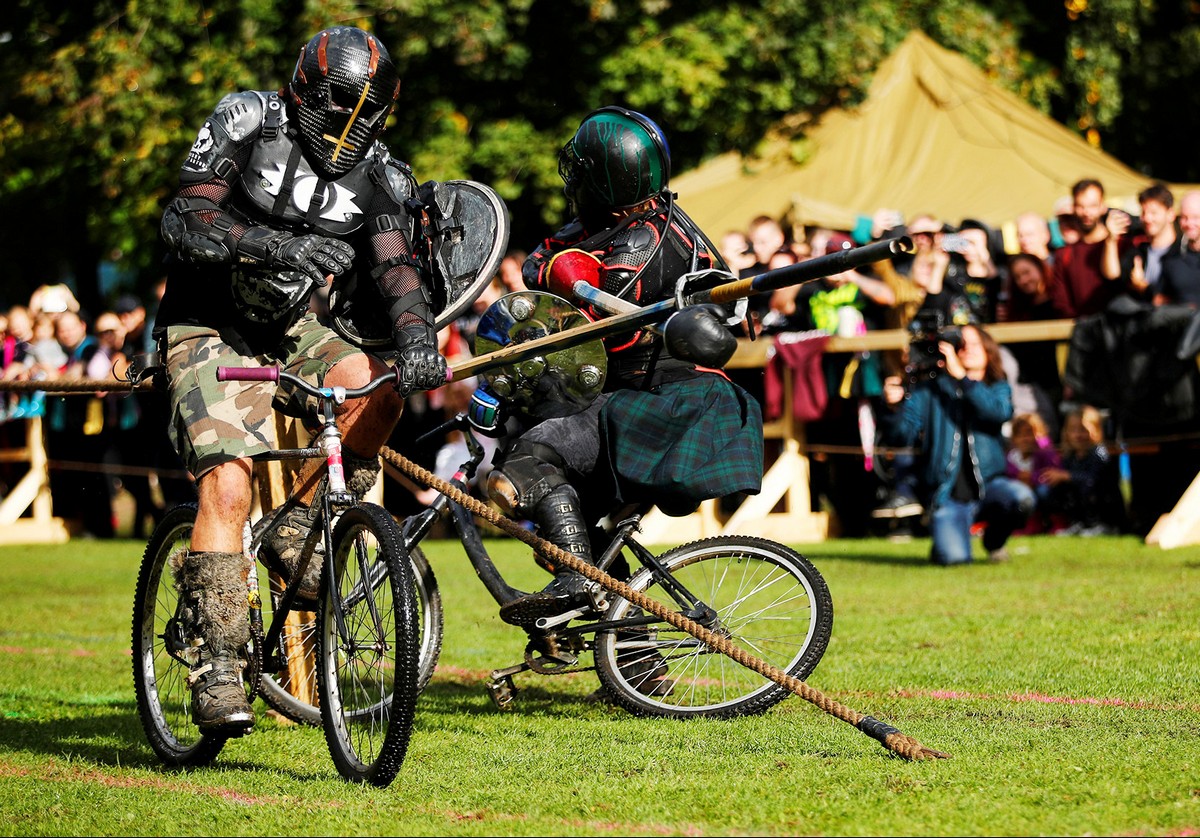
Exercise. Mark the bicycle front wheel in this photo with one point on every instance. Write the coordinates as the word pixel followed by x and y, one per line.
pixel 293 691
pixel 369 647
pixel 763 597
pixel 162 657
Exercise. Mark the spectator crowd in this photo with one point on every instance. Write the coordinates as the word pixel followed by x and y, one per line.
pixel 1132 279
pixel 1104 430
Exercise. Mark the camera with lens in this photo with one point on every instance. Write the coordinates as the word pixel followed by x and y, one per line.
pixel 926 331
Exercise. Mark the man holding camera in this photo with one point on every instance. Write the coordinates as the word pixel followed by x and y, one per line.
pixel 955 410
pixel 1081 284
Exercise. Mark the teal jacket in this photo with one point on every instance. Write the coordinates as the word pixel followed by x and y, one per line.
pixel 942 415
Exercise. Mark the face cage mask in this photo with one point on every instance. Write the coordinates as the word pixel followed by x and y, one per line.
pixel 571 170
pixel 343 111
pixel 338 141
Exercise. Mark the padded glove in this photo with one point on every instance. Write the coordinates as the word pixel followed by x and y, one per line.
pixel 699 334
pixel 314 256
pixel 421 368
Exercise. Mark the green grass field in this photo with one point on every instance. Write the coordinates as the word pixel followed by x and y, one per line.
pixel 1065 685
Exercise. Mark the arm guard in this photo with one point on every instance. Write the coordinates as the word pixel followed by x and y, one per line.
pixel 198 230
pixel 399 275
pixel 195 225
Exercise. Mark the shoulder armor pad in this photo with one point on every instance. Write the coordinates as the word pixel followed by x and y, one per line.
pixel 240 115
pixel 237 120
pixel 400 180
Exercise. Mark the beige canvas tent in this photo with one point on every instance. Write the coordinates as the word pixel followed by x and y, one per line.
pixel 933 135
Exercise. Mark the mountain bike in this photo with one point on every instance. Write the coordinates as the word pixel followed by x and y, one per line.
pixel 756 593
pixel 366 631
pixel 760 594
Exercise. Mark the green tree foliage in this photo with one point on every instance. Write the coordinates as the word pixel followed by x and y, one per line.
pixel 99 104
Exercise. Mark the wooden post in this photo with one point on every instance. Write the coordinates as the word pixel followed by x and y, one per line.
pixel 274 485
pixel 32 492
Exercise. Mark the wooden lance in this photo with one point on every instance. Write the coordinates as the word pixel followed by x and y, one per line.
pixel 640 317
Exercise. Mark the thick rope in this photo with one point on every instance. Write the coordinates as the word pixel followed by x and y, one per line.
pixel 888 736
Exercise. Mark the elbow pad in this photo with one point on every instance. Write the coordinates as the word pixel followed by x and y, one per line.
pixel 699 334
pixel 191 238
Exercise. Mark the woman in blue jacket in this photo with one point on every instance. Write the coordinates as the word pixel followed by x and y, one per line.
pixel 955 416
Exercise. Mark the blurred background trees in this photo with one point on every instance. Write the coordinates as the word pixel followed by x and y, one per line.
pixel 99 104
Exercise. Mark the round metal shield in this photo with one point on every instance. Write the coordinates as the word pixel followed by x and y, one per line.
pixel 555 383
pixel 470 223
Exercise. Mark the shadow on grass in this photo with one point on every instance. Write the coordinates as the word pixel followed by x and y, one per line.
pixel 548 696
pixel 107 737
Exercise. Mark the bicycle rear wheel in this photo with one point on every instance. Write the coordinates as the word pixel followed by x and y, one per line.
pixel 164 700
pixel 369 656
pixel 765 598
pixel 293 691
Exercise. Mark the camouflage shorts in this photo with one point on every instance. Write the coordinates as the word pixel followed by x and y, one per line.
pixel 213 422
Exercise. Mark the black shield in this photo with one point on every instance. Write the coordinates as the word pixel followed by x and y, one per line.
pixel 463 232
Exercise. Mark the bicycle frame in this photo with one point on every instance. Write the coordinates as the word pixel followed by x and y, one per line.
pixel 335 498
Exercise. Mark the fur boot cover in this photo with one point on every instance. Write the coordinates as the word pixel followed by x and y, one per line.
pixel 212 587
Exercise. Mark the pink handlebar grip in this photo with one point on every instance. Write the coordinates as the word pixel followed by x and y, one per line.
pixel 247 373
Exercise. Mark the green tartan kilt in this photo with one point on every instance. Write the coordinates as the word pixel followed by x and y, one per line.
pixel 683 442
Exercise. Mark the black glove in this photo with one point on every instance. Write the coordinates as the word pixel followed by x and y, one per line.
pixel 421 368
pixel 699 334
pixel 314 256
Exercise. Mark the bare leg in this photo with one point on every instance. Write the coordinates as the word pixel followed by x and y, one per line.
pixel 225 497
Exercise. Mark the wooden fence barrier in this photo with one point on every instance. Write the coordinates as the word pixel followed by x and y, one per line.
pixel 781 511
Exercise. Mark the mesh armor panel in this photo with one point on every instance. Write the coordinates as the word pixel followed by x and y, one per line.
pixel 217 190
pixel 400 280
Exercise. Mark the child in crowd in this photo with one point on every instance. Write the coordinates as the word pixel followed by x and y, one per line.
pixel 1088 483
pixel 1031 457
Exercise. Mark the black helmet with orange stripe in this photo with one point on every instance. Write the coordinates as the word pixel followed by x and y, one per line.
pixel 341 92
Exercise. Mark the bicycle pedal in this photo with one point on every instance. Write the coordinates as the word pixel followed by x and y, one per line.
pixel 502 690
pixel 544 623
pixel 599 597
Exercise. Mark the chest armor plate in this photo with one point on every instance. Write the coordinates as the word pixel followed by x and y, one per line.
pixel 341 203
pixel 663 266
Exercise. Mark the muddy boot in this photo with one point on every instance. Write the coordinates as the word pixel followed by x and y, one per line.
pixel 561 524
pixel 214 613
pixel 284 542
pixel 218 696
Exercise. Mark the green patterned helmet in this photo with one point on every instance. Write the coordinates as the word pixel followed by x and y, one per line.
pixel 617 159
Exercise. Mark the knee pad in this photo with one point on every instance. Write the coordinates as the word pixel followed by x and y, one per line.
pixel 213 598
pixel 529 472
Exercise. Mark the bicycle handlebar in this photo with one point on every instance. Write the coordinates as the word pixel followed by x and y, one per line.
pixel 392 377
pixel 248 373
